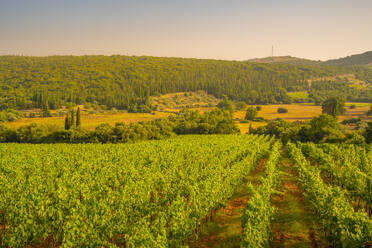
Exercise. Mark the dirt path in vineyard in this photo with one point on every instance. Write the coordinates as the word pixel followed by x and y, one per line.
pixel 225 228
pixel 294 225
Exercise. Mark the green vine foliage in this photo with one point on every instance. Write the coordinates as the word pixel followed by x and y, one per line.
pixel 347 166
pixel 259 214
pixel 343 226
pixel 148 194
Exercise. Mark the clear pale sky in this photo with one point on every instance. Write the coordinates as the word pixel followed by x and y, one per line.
pixel 221 29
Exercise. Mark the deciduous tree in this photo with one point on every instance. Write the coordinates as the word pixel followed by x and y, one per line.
pixel 333 106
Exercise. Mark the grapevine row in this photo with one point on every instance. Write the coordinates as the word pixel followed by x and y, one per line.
pixel 347 175
pixel 358 155
pixel 342 225
pixel 258 213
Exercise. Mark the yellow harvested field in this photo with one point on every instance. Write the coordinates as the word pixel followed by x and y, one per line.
pixel 355 113
pixel 295 112
pixel 298 112
pixel 244 127
pixel 200 109
pixel 90 121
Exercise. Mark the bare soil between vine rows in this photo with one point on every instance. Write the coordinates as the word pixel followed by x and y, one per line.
pixel 225 229
pixel 294 224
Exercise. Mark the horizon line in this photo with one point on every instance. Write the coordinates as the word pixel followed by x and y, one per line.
pixel 175 57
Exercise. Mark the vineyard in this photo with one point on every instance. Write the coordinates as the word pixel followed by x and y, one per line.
pixel 164 193
pixel 343 225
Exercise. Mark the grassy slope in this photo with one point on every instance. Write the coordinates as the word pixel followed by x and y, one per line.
pixel 176 101
pixel 353 81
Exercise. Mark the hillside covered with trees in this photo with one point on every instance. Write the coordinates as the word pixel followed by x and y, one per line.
pixel 358 64
pixel 127 82
pixel 286 60
pixel 364 59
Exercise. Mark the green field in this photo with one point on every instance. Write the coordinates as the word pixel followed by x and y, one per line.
pixel 298 95
pixel 197 191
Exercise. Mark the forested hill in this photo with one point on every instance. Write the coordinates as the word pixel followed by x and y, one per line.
pixel 127 82
pixel 285 60
pixel 364 59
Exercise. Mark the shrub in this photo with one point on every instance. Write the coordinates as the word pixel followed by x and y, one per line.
pixel 368 133
pixel 369 112
pixel 259 119
pixel 351 121
pixel 240 105
pixel 9 115
pixel 282 110
pixel 251 113
pixel 225 104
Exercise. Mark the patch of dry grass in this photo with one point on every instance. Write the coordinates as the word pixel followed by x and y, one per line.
pixel 183 100
pixel 354 82
pixel 355 113
pixel 200 109
pixel 244 127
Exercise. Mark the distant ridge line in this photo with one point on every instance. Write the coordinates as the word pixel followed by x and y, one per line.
pixel 363 59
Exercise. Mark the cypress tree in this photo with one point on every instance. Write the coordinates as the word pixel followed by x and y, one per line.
pixel 72 120
pixel 78 120
pixel 67 123
pixel 251 113
pixel 46 112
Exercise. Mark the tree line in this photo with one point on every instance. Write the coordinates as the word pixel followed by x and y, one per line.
pixel 321 129
pixel 70 119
